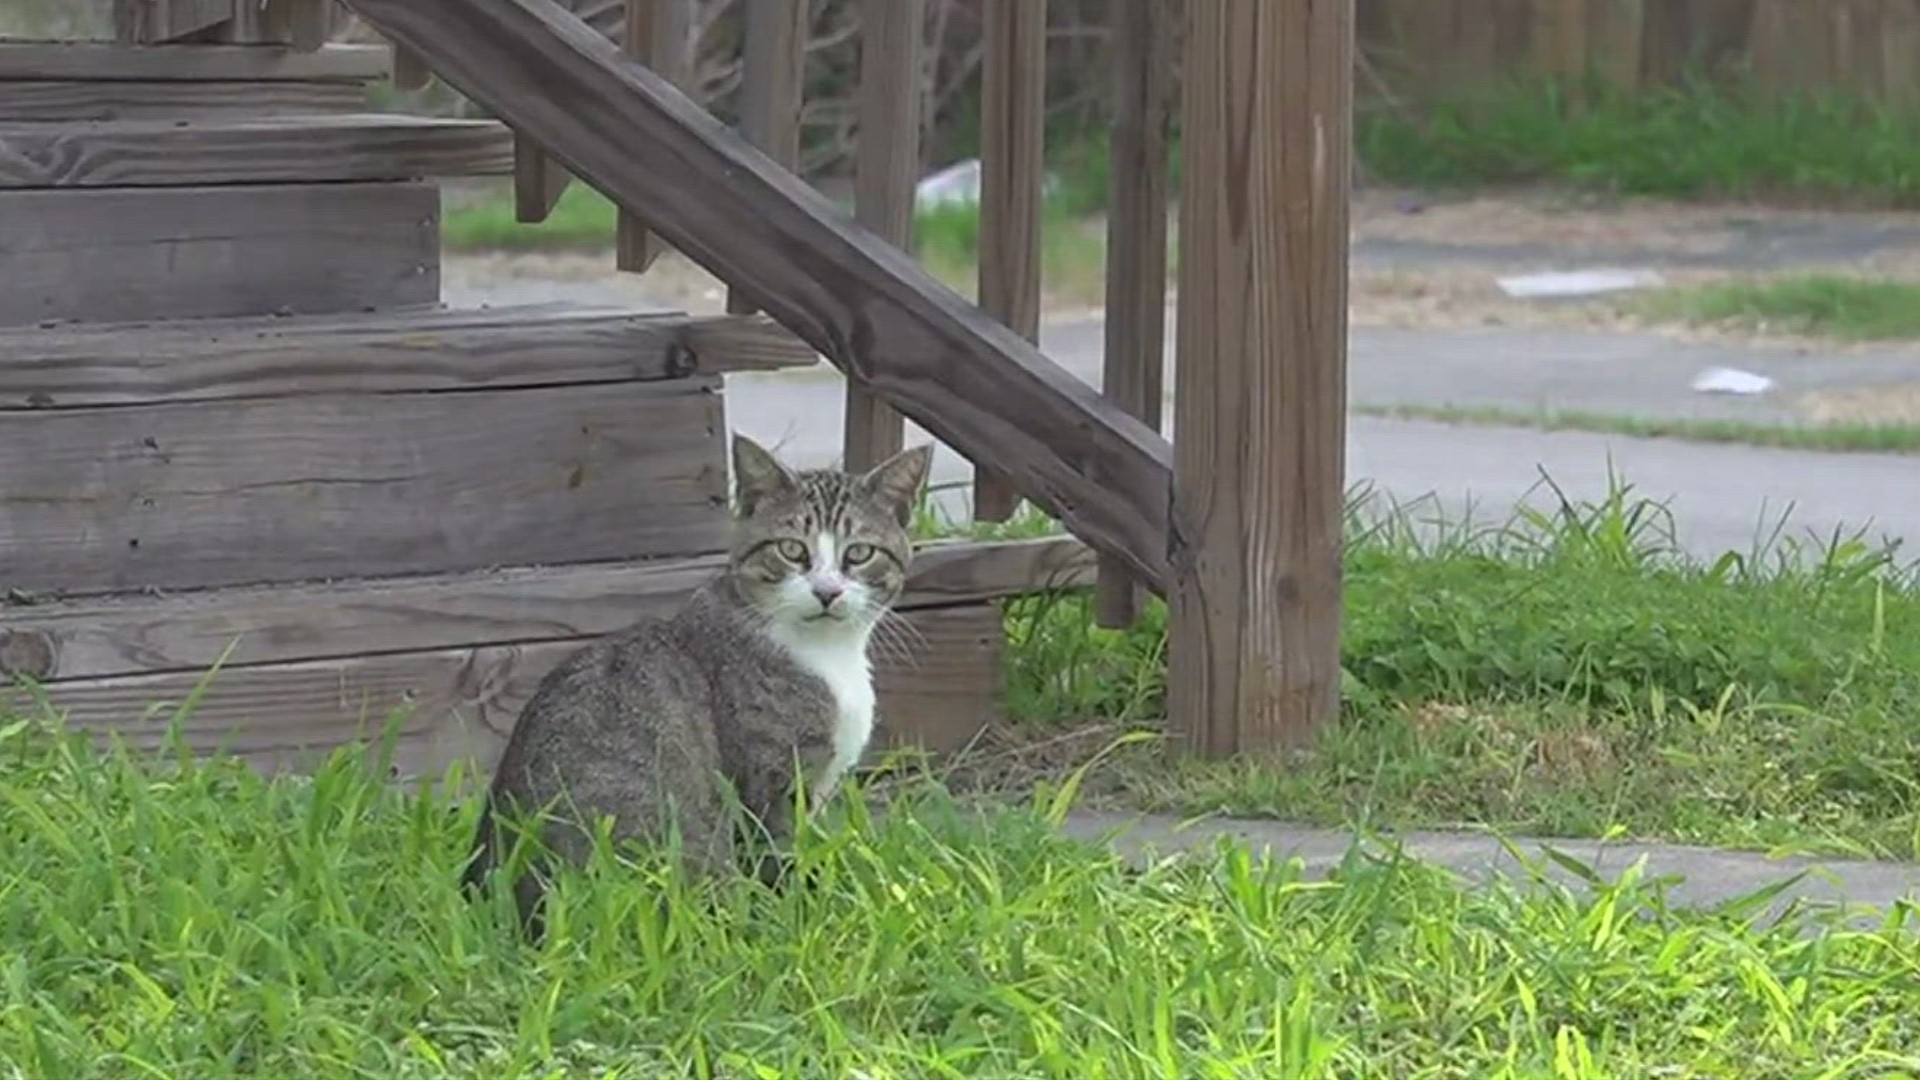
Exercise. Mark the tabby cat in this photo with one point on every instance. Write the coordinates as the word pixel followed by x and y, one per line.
pixel 673 725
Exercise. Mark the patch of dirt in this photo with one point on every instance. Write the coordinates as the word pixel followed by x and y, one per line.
pixel 1898 403
pixel 1577 219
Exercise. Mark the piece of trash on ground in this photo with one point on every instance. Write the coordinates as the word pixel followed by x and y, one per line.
pixel 1724 380
pixel 1568 283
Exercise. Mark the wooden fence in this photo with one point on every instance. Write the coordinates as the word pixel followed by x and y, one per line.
pixel 1426 49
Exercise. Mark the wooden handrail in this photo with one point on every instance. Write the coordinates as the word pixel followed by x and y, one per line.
pixel 864 304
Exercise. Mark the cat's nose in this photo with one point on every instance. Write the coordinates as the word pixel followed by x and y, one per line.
pixel 827 592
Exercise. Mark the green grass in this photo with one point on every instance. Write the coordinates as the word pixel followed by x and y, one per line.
pixel 194 920
pixel 1834 438
pixel 1699 140
pixel 1848 308
pixel 583 220
pixel 1560 674
pixel 946 238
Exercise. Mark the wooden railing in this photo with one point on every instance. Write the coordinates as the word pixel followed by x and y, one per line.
pixel 1241 528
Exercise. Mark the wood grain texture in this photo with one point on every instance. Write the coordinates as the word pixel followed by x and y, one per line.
pixel 1616 37
pixel 864 304
pixel 658 35
pixel 774 72
pixel 410 71
pixel 461 704
pixel 538 181
pixel 304 25
pixel 492 348
pixel 74 99
pixel 886 176
pixel 213 493
pixel 941 691
pixel 1013 106
pixel 189 63
pixel 152 22
pixel 1135 361
pixel 309 149
pixel 120 254
pixel 1266 134
pixel 190 632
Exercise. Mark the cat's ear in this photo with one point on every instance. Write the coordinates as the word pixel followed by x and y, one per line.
pixel 897 481
pixel 757 474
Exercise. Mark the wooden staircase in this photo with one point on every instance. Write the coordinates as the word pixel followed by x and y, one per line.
pixel 238 427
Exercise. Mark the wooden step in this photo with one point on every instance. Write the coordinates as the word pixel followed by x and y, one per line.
pixel 286 149
pixel 65 100
pixel 118 254
pixel 306 668
pixel 426 350
pixel 100 61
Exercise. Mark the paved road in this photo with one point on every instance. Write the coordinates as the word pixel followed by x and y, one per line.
pixel 1723 497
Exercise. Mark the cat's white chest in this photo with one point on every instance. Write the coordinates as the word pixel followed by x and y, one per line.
pixel 840 660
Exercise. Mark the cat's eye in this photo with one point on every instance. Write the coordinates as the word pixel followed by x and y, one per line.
pixel 793 551
pixel 859 554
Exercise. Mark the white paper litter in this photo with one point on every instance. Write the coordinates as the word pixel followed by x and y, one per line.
pixel 1723 380
pixel 957 183
pixel 1579 282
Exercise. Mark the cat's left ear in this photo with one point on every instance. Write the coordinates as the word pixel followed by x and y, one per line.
pixel 757 474
pixel 897 481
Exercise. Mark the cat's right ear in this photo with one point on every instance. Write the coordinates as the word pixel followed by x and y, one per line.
pixel 757 474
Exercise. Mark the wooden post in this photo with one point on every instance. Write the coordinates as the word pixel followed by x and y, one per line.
pixel 1259 440
pixel 1616 36
pixel 1136 247
pixel 538 181
pixel 1013 82
pixel 657 32
pixel 410 70
pixel 770 92
pixel 150 22
pixel 886 176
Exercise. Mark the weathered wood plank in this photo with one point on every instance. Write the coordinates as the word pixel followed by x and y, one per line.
pixel 131 635
pixel 151 22
pixel 658 35
pixel 120 254
pixel 1013 84
pixel 1137 193
pixel 886 176
pixel 311 149
pixel 461 704
pixel 1266 133
pixel 230 492
pixel 189 63
pixel 939 682
pixel 410 71
pixel 211 359
pixel 867 306
pixel 77 100
pixel 773 71
pixel 304 25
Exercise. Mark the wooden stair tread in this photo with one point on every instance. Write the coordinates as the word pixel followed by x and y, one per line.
pixel 95 364
pixel 104 61
pixel 96 637
pixel 242 150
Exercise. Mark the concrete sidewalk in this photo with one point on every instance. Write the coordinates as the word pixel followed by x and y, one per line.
pixel 1709 876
